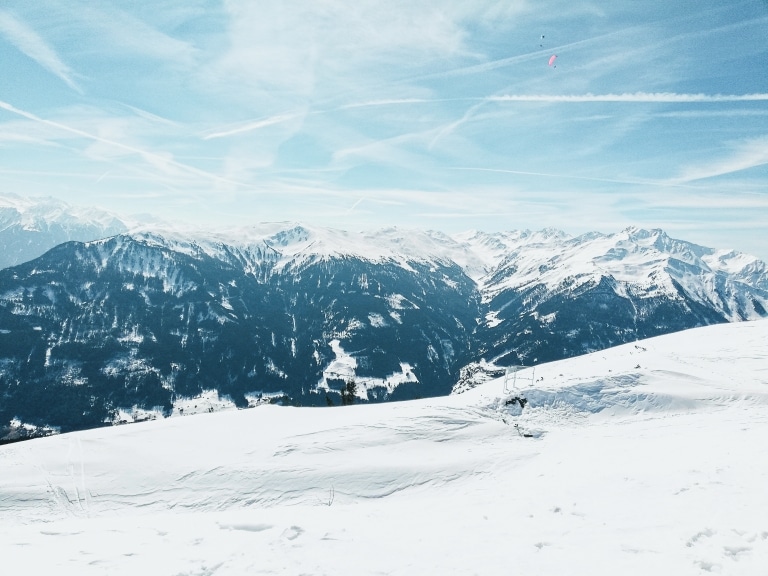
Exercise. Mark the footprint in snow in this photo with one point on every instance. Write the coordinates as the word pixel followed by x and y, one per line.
pixel 293 532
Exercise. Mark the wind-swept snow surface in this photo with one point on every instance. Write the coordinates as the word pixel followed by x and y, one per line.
pixel 648 458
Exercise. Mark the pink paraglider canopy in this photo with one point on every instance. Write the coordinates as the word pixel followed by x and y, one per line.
pixel 552 59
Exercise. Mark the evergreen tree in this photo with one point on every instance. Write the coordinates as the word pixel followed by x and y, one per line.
pixel 348 393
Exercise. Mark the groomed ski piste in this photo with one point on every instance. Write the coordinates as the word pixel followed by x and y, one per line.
pixel 647 458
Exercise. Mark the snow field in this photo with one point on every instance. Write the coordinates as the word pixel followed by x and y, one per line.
pixel 631 470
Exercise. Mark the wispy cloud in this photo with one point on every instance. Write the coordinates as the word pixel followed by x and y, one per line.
pixel 661 97
pixel 34 46
pixel 250 126
pixel 748 154
pixel 161 160
pixel 449 128
pixel 9 137
pixel 702 198
pixel 122 32
pixel 395 150
pixel 154 118
pixel 391 102
pixel 318 50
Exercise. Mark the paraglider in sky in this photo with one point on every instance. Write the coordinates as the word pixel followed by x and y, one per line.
pixel 552 59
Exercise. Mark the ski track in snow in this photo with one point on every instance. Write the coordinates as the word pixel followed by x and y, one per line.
pixel 645 458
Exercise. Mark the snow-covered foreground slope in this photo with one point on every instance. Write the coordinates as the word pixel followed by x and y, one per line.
pixel 645 458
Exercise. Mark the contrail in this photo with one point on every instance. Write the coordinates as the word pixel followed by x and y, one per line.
pixel 143 153
pixel 255 125
pixel 662 97
pixel 355 205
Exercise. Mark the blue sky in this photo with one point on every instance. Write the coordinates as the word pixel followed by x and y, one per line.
pixel 441 115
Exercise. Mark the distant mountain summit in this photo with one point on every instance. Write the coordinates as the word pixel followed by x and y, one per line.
pixel 140 324
pixel 551 295
pixel 31 226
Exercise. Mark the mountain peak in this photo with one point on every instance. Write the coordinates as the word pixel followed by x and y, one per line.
pixel 292 234
pixel 644 235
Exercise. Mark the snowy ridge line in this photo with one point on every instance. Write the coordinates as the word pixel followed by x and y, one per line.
pixel 295 250
pixel 651 377
pixel 647 259
pixel 548 256
pixel 646 262
pixel 34 213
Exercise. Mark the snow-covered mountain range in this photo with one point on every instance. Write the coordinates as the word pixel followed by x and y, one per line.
pixel 143 323
pixel 644 458
pixel 31 226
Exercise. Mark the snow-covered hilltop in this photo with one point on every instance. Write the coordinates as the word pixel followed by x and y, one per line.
pixel 643 458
